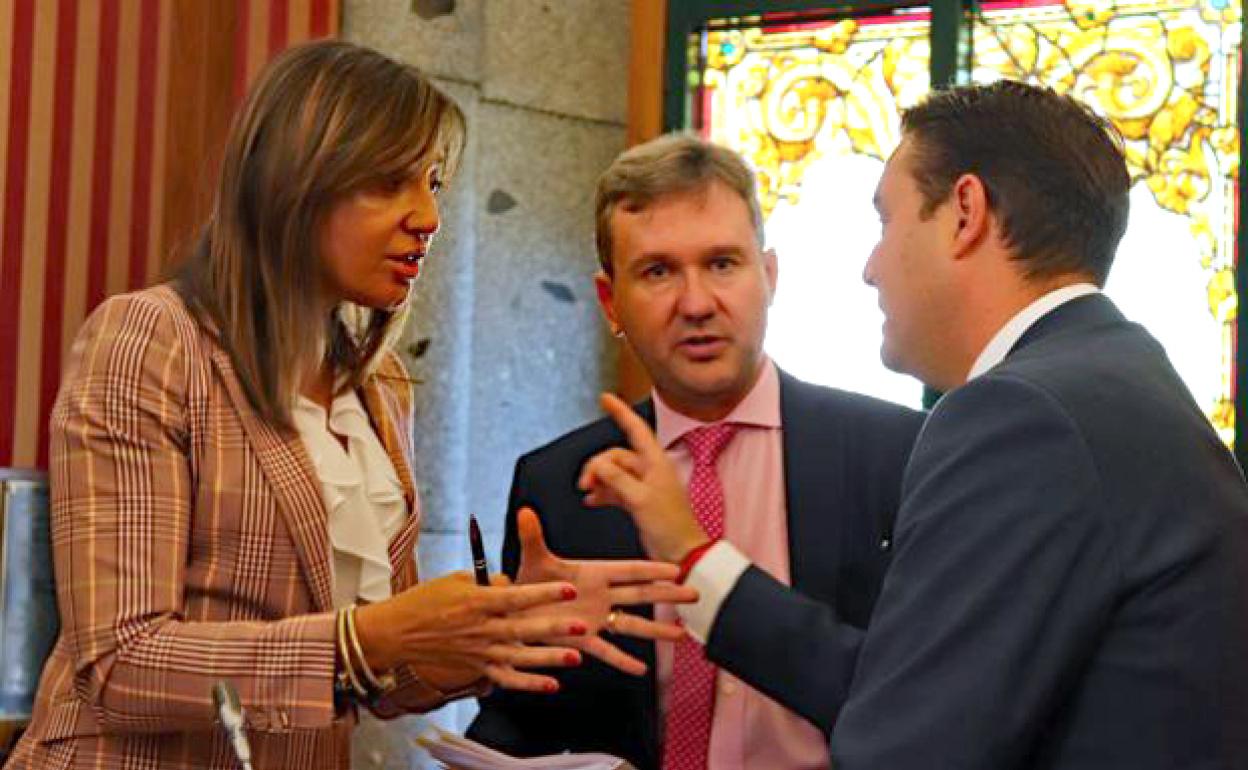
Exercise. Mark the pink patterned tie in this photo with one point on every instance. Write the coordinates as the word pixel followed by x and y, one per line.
pixel 691 691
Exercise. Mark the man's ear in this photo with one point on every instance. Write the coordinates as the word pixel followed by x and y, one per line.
pixel 772 268
pixel 605 289
pixel 974 216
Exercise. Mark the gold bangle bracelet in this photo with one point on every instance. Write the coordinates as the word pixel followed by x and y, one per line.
pixel 353 638
pixel 341 622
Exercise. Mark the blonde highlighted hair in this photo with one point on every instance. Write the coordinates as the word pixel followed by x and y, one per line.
pixel 323 121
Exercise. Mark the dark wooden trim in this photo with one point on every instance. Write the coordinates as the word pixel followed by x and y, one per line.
pixel 200 104
pixel 645 77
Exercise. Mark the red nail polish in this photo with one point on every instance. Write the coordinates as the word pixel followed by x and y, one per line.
pixel 578 629
pixel 569 593
pixel 572 659
pixel 551 687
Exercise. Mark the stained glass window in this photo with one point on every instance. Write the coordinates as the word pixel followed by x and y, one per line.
pixel 815 108
pixel 1165 72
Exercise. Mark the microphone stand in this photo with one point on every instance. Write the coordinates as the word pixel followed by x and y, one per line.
pixel 230 712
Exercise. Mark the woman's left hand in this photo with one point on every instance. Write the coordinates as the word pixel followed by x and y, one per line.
pixel 602 587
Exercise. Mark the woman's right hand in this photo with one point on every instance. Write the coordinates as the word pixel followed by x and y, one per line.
pixel 451 624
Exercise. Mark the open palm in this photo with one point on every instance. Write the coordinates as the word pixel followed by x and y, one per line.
pixel 602 586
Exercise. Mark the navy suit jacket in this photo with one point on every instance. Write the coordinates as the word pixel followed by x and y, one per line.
pixel 843 458
pixel 1069 585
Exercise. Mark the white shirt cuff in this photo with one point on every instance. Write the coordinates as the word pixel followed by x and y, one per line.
pixel 714 576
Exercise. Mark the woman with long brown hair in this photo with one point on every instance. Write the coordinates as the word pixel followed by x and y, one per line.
pixel 232 494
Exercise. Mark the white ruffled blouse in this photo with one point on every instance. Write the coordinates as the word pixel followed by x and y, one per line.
pixel 362 495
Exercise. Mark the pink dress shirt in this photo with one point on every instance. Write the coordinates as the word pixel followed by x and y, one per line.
pixel 748 730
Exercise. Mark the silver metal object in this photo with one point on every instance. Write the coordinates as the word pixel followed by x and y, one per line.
pixel 28 617
pixel 230 712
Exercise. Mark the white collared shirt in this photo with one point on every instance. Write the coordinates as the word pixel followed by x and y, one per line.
pixel 1009 335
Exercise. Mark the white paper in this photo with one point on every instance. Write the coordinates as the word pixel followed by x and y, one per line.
pixel 463 754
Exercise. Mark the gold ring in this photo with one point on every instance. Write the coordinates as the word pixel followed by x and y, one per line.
pixel 611 617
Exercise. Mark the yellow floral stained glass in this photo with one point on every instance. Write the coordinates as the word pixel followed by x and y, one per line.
pixel 816 109
pixel 785 96
pixel 1165 72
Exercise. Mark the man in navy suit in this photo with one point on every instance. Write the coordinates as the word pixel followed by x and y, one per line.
pixel 1069 584
pixel 811 475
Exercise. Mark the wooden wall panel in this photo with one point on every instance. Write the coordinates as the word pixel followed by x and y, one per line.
pixel 112 114
pixel 645 122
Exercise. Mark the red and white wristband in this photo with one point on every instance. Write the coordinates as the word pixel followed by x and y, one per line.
pixel 692 558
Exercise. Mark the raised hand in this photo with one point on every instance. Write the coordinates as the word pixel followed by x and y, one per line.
pixel 643 481
pixel 602 586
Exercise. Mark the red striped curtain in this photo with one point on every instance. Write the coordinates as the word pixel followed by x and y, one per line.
pixel 88 167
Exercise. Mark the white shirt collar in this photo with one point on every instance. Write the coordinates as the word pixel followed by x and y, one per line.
pixel 1009 335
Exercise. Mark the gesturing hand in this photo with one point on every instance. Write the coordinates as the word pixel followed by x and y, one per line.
pixel 643 481
pixel 452 625
pixel 601 586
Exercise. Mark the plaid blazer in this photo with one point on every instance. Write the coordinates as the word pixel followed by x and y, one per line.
pixel 191 545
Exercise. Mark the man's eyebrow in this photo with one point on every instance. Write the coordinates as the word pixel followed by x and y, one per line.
pixel 649 256
pixel 718 249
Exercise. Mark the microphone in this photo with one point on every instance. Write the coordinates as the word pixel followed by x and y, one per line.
pixel 230 712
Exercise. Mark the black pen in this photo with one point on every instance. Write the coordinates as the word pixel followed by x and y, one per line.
pixel 479 567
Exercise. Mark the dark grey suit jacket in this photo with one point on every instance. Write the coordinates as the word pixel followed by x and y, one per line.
pixel 1069 587
pixel 843 459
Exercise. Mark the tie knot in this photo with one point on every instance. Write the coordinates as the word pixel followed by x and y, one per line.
pixel 706 443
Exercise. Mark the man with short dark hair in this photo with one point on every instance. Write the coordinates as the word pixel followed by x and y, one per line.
pixel 1069 587
pixel 804 479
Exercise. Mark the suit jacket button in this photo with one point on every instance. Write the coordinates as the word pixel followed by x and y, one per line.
pixel 885 544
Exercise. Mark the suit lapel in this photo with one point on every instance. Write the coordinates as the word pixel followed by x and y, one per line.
pixel 380 404
pixel 812 488
pixel 286 465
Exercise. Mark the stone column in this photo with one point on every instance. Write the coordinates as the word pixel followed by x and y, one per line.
pixel 505 334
